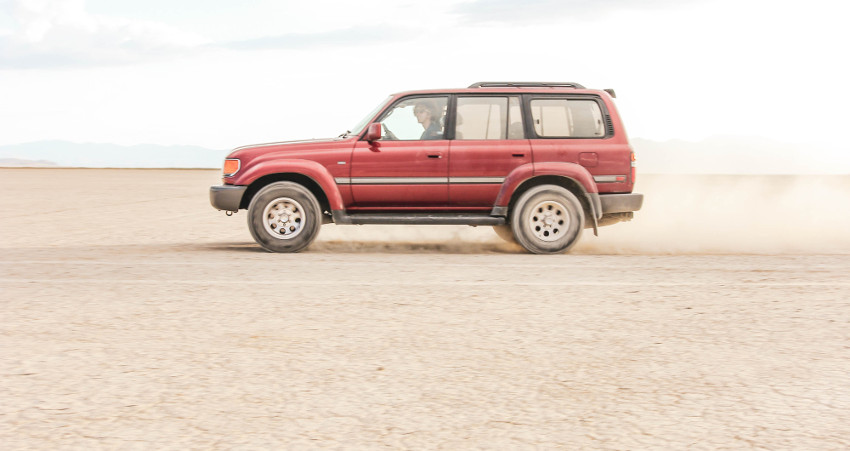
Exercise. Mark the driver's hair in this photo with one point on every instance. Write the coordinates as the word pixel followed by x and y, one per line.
pixel 428 105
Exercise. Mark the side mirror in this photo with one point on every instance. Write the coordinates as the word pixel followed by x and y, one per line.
pixel 373 133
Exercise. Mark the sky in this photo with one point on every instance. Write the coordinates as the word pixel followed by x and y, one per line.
pixel 221 74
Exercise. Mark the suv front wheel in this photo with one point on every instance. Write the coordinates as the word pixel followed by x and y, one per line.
pixel 284 217
pixel 547 219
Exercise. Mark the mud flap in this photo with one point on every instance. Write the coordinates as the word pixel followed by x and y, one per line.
pixel 595 211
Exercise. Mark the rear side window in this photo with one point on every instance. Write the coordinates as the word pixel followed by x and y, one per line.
pixel 573 118
pixel 481 117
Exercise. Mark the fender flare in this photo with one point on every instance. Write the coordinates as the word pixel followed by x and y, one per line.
pixel 529 171
pixel 308 168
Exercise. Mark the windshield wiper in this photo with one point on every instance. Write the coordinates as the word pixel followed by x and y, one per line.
pixel 347 132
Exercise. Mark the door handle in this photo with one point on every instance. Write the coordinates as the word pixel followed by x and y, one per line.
pixel 518 155
pixel 435 156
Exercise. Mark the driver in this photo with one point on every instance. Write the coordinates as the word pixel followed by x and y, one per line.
pixel 427 115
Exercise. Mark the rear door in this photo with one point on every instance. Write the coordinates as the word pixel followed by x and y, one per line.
pixel 489 142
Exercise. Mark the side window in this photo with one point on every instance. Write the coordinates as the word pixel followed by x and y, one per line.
pixel 481 118
pixel 576 118
pixel 415 118
pixel 488 118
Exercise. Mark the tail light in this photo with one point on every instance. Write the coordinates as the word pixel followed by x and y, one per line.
pixel 231 166
pixel 633 167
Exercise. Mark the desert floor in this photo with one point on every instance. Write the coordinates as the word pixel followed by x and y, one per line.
pixel 136 316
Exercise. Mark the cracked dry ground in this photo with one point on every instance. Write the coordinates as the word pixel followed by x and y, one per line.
pixel 166 342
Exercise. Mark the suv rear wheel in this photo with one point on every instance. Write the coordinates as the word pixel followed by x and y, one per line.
pixel 547 219
pixel 284 217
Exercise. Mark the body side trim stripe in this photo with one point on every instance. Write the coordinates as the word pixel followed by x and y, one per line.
pixel 475 180
pixel 417 180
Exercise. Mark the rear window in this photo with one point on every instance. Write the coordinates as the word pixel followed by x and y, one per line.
pixel 567 118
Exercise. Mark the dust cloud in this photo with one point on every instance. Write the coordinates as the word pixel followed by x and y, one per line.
pixel 682 214
pixel 733 214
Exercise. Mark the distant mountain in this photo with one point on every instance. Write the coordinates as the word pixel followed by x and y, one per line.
pixel 19 163
pixel 95 155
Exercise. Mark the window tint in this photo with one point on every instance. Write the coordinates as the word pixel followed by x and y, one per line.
pixel 415 118
pixel 572 118
pixel 488 118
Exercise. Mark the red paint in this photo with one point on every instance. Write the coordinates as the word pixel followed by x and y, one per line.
pixel 483 158
pixel 517 161
pixel 408 159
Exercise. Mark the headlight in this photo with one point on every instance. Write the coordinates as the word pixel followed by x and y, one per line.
pixel 231 166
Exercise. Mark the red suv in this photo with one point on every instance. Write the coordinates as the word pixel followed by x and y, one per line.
pixel 537 161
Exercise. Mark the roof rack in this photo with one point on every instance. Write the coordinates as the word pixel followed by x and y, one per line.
pixel 525 84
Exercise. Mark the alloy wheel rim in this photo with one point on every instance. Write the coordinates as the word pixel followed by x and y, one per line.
pixel 284 218
pixel 548 221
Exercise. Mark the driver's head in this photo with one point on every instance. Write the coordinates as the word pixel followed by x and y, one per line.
pixel 424 110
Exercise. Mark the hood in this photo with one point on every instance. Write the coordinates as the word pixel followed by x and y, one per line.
pixel 290 149
pixel 288 143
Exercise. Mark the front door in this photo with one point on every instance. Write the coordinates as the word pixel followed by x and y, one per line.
pixel 408 167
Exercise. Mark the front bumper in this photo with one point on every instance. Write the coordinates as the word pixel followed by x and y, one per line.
pixel 620 203
pixel 227 197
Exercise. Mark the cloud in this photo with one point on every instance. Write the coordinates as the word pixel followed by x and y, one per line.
pixel 61 33
pixel 336 38
pixel 547 11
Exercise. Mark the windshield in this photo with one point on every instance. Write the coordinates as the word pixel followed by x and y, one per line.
pixel 365 121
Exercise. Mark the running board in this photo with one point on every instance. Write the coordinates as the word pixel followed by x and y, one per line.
pixel 341 217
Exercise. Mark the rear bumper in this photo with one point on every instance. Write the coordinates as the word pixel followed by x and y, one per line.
pixel 227 197
pixel 620 203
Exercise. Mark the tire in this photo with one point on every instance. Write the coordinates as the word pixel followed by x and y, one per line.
pixel 505 233
pixel 547 219
pixel 284 217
